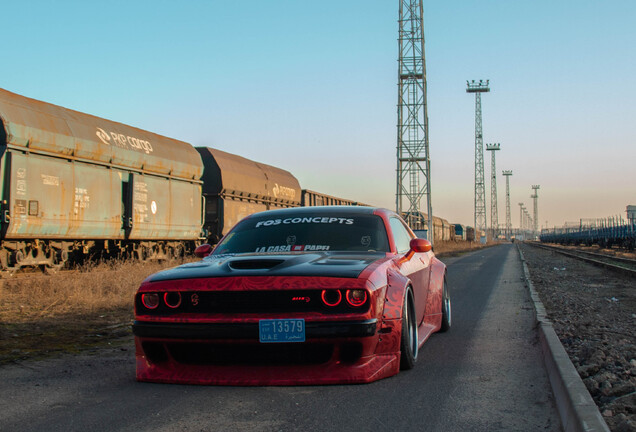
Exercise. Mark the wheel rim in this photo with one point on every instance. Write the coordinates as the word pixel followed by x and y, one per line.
pixel 447 305
pixel 412 329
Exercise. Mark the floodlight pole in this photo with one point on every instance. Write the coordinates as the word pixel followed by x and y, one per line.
pixel 480 184
pixel 507 174
pixel 535 197
pixel 494 211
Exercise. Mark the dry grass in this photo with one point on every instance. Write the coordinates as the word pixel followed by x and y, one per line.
pixel 452 248
pixel 68 311
pixel 96 288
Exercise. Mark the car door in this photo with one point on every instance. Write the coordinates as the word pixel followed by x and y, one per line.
pixel 417 269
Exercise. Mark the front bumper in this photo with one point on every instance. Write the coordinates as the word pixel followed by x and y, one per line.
pixel 231 354
pixel 249 330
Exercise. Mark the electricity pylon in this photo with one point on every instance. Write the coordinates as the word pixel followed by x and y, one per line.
pixel 413 161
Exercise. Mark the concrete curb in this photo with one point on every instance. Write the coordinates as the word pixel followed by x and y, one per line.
pixel 576 407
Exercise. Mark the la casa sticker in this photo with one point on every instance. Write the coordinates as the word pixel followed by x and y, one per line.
pixel 292 248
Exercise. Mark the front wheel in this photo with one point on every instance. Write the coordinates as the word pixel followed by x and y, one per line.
pixel 408 343
pixel 446 309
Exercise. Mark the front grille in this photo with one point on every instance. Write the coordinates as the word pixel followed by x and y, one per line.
pixel 250 354
pixel 257 302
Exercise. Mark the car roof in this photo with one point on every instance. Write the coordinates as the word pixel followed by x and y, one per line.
pixel 326 210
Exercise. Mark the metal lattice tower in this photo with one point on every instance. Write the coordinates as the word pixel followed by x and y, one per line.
pixel 480 184
pixel 521 209
pixel 413 162
pixel 535 197
pixel 507 174
pixel 494 211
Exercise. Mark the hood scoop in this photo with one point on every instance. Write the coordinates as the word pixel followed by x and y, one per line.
pixel 339 261
pixel 254 264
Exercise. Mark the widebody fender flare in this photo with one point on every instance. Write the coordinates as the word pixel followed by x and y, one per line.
pixel 391 325
pixel 395 292
pixel 438 272
pixel 436 288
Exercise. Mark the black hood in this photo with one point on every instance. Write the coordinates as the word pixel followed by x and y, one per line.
pixel 329 264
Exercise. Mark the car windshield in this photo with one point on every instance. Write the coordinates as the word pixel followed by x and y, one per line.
pixel 306 233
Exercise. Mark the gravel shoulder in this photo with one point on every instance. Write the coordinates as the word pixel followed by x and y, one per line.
pixel 594 314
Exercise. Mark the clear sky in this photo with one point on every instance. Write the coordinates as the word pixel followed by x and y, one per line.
pixel 311 87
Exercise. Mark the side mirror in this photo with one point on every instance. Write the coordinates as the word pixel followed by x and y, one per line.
pixel 421 245
pixel 203 250
pixel 417 245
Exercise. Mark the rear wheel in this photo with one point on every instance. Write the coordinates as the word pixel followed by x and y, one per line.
pixel 446 309
pixel 408 344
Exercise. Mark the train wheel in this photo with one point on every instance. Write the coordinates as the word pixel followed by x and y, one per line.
pixel 19 258
pixel 142 253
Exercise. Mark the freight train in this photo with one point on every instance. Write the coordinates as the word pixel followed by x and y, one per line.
pixel 442 229
pixel 76 186
pixel 606 234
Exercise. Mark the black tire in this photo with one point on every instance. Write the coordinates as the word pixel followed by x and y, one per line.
pixel 446 309
pixel 409 340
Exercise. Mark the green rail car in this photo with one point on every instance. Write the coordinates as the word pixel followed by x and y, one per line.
pixel 78 185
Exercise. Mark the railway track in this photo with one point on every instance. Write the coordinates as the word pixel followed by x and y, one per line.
pixel 625 266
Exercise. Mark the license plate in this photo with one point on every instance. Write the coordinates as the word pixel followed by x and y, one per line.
pixel 281 330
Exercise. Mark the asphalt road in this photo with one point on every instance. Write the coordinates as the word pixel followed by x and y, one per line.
pixel 485 374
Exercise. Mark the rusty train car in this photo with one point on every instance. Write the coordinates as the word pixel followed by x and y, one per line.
pixel 235 187
pixel 447 229
pixel 78 185
pixel 442 229
pixel 312 198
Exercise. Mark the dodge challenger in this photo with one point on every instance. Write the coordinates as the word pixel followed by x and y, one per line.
pixel 312 295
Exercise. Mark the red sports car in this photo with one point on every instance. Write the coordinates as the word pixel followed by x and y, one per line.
pixel 312 295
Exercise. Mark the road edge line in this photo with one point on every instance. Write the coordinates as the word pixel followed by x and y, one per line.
pixel 576 407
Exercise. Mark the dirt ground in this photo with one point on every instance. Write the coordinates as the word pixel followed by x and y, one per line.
pixel 41 315
pixel 594 315
pixel 70 333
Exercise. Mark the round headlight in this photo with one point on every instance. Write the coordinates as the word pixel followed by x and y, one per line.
pixel 331 297
pixel 356 297
pixel 172 299
pixel 150 300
